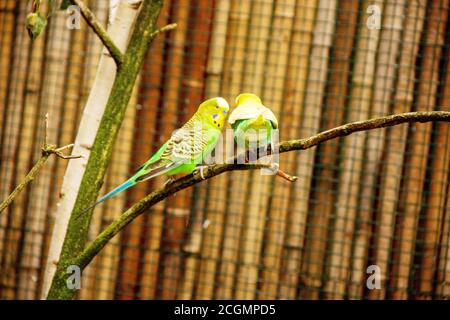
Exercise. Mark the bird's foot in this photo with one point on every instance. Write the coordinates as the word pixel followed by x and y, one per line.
pixel 200 169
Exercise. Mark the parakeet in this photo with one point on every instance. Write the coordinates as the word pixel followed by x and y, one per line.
pixel 249 118
pixel 35 24
pixel 187 147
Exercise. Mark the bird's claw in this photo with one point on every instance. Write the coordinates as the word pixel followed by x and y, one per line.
pixel 200 169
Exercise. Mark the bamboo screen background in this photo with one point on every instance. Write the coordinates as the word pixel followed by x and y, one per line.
pixel 378 197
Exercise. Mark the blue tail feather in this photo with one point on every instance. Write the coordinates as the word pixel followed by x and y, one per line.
pixel 115 191
pixel 123 186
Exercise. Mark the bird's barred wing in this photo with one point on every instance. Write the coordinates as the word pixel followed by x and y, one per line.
pixel 185 145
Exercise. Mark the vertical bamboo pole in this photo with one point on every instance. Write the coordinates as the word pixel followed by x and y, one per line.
pixel 442 288
pixel 8 15
pixel 29 256
pixel 52 97
pixel 209 246
pixel 434 215
pixel 297 75
pixel 273 231
pixel 174 220
pixel 223 55
pixel 410 199
pixel 253 226
pixel 388 48
pixel 145 145
pixel 439 273
pixel 233 71
pixel 322 40
pixel 353 150
pixel 9 223
pixel 192 247
pixel 334 108
pixel 201 271
pixel 191 95
pixel 391 169
pixel 75 78
pixel 7 25
pixel 85 50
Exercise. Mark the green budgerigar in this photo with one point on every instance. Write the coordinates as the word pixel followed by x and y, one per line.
pixel 187 147
pixel 253 123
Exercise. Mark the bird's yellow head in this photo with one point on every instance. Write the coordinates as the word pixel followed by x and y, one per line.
pixel 214 112
pixel 247 97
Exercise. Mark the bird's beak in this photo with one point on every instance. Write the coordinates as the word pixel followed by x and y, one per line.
pixel 259 121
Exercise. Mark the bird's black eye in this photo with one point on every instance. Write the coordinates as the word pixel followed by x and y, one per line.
pixel 217 107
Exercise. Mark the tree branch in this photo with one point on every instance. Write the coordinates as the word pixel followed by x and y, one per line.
pixel 47 151
pixel 160 194
pixel 97 27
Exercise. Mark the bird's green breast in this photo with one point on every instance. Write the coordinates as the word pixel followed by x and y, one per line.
pixel 250 133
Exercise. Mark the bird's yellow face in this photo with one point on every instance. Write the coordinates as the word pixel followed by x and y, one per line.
pixel 214 112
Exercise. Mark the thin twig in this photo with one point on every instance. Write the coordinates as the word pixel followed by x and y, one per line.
pixel 46 132
pixel 47 151
pixel 275 170
pixel 286 176
pixel 97 27
pixel 65 147
pixel 66 157
pixel 28 178
pixel 162 193
pixel 163 29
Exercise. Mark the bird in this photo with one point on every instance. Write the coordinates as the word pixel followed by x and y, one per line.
pixel 186 148
pixel 253 126
pixel 253 123
pixel 35 24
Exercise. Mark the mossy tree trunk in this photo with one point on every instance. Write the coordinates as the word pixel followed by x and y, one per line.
pixel 77 231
